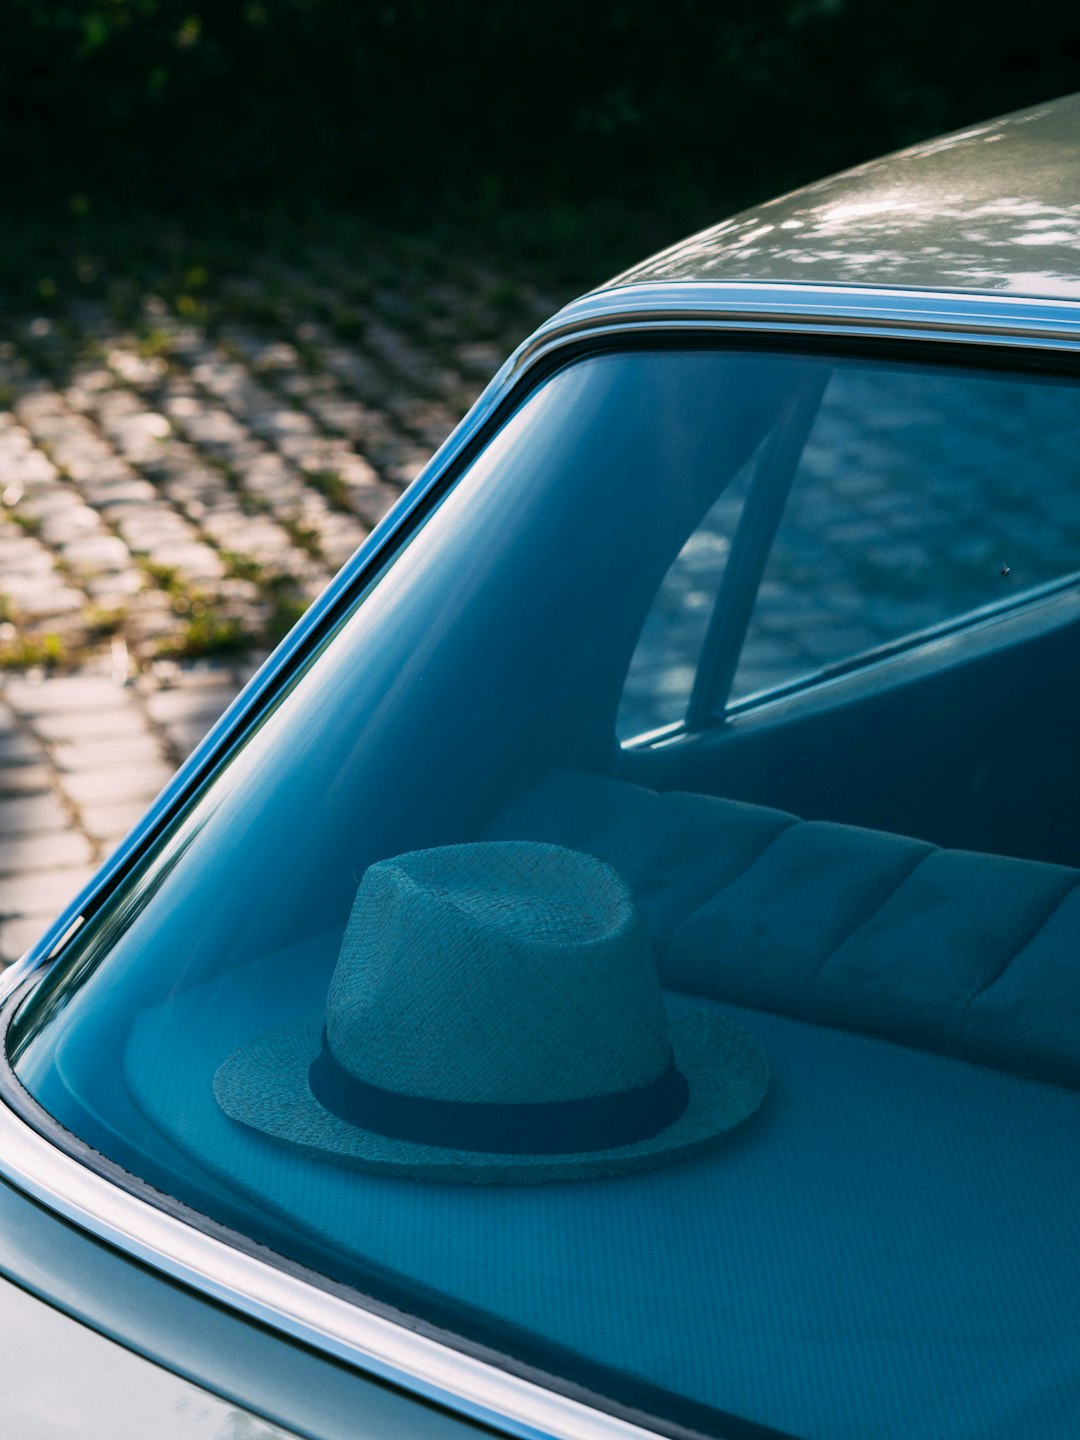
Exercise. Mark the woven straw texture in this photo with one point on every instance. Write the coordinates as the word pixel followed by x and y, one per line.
pixel 507 971
pixel 510 972
pixel 265 1087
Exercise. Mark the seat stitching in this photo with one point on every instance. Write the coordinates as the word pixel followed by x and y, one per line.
pixel 792 822
pixel 962 1020
pixel 666 942
pixel 811 983
pixel 759 856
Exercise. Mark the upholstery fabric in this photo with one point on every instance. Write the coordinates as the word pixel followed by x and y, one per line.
pixel 675 851
pixel 887 1248
pixel 972 955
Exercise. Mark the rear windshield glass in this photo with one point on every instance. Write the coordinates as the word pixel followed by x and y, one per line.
pixel 643 939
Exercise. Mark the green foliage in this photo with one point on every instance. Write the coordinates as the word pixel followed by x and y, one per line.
pixel 20 652
pixel 206 633
pixel 489 105
pixel 243 567
pixel 165 577
pixel 330 483
pixel 286 612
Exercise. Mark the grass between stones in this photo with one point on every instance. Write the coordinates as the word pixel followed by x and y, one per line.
pixel 370 341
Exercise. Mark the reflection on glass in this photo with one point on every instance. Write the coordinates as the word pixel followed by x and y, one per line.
pixel 786 980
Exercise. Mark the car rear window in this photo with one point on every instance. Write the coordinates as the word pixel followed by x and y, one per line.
pixel 913 504
pixel 641 940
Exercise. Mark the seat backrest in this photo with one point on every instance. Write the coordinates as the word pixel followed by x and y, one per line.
pixel 968 954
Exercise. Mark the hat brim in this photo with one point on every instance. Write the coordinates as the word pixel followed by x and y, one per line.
pixel 264 1085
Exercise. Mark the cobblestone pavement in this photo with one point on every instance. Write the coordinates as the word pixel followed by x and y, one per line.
pixel 177 482
pixel 921 496
pixel 81 757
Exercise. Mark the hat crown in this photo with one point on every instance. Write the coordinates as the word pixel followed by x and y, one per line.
pixel 502 971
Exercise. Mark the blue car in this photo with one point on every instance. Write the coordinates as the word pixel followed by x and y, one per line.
pixel 616 970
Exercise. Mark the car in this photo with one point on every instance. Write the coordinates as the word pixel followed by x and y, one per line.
pixel 615 971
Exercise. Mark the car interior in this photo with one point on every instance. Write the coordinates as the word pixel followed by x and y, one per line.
pixel 873 863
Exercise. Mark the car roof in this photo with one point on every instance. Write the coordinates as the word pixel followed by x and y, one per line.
pixel 994 207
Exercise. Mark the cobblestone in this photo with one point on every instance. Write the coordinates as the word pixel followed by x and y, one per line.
pixel 36 853
pixel 88 788
pixel 179 480
pixel 190 488
pixel 868 551
pixel 44 893
pixel 109 821
pixel 172 488
pixel 81 757
pixel 32 815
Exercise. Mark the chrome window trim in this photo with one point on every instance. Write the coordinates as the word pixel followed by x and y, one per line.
pixel 291 1304
pixel 694 307
pixel 255 1287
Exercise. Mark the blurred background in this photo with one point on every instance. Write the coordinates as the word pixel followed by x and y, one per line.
pixel 573 136
pixel 257 257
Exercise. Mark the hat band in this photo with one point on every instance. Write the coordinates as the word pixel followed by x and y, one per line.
pixel 551 1127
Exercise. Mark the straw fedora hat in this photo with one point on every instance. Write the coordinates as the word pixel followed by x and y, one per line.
pixel 495 1015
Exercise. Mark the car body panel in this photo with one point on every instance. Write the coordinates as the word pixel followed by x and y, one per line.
pixel 777 309
pixel 63 1292
pixel 101 1391
pixel 993 207
pixel 208 1268
pixel 175 1244
pixel 914 248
